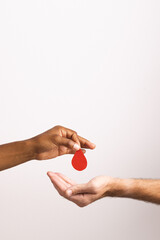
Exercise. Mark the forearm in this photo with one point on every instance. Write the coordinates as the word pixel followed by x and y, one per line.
pixel 15 153
pixel 140 189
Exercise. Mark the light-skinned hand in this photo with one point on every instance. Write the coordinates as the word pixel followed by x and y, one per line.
pixel 147 190
pixel 80 194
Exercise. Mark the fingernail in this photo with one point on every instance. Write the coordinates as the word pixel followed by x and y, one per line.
pixel 76 147
pixel 69 192
pixel 94 145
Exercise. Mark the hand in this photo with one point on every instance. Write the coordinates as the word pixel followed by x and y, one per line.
pixel 81 194
pixel 58 141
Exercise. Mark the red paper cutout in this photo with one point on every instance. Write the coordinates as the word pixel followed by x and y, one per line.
pixel 79 161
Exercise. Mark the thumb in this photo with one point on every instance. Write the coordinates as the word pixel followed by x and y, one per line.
pixel 77 189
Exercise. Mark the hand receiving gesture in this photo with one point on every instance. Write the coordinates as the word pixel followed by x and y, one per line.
pixel 81 194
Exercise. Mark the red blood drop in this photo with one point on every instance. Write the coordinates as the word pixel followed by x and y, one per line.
pixel 79 161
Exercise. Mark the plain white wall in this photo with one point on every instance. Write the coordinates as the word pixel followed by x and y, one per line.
pixel 93 66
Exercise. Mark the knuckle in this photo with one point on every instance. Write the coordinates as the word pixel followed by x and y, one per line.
pixel 58 126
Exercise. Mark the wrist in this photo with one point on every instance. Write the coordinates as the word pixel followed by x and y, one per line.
pixel 120 187
pixel 30 149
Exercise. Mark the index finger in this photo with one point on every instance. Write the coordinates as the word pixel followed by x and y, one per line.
pixel 58 183
pixel 86 143
pixel 65 178
pixel 69 133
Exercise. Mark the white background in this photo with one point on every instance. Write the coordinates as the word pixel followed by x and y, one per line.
pixel 93 66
